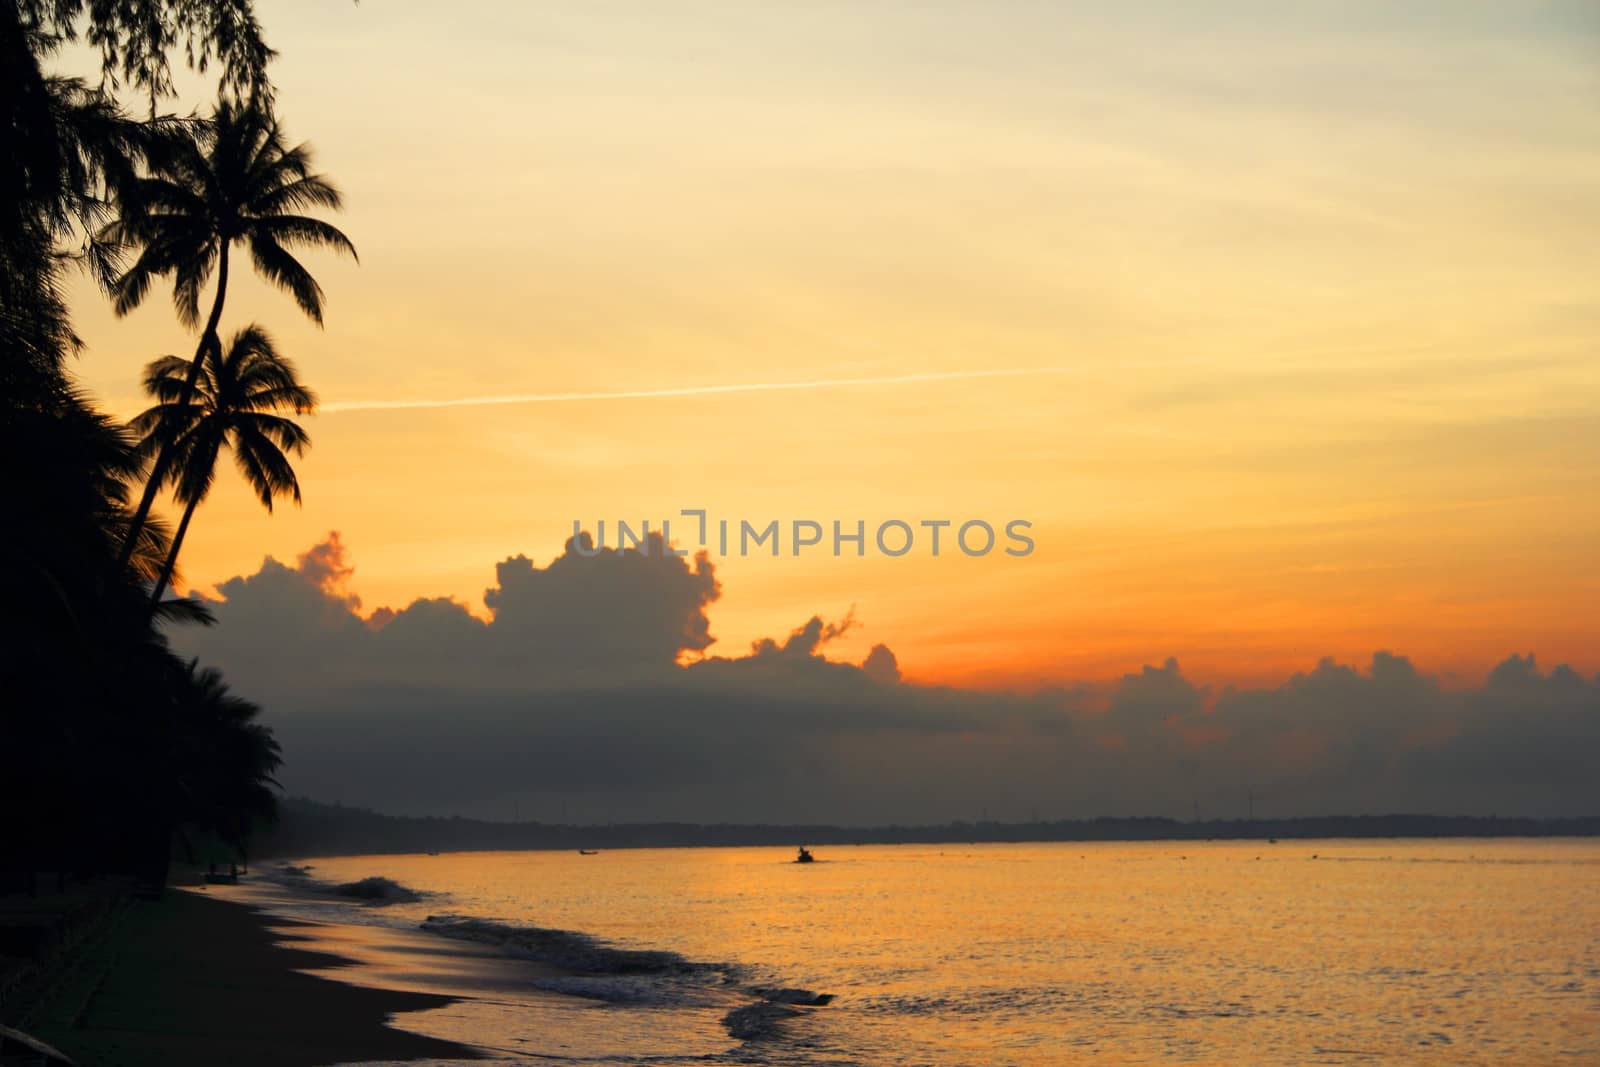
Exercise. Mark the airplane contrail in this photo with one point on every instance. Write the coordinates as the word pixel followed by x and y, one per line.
pixel 687 390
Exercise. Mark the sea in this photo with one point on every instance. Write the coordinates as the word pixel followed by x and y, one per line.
pixel 1241 952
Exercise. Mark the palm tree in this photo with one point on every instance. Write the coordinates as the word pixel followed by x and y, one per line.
pixel 233 403
pixel 235 181
pixel 222 759
pixel 83 678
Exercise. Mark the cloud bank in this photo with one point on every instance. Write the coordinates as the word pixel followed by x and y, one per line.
pixel 593 693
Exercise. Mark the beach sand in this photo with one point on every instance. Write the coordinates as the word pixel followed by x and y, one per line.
pixel 192 979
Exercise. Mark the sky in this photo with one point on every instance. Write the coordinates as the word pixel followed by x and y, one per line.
pixel 1295 305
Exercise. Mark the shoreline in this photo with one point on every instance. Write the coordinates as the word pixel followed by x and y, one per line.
pixel 194 979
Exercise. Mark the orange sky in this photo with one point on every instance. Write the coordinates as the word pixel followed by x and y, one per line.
pixel 1310 293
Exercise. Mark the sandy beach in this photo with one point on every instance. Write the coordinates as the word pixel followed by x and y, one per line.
pixel 198 979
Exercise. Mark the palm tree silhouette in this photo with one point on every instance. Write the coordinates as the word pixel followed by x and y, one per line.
pixel 207 405
pixel 222 760
pixel 230 180
pixel 100 720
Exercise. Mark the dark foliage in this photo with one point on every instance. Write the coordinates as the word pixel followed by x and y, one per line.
pixel 232 179
pixel 108 742
pixel 234 405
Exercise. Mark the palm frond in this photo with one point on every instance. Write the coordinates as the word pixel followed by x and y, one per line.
pixel 286 272
pixel 296 398
pixel 287 435
pixel 184 610
pixel 160 374
pixel 189 278
pixel 128 291
pixel 304 231
pixel 196 475
pixel 264 467
pixel 313 190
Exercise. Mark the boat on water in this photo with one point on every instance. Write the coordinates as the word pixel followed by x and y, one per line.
pixel 588 852
pixel 805 856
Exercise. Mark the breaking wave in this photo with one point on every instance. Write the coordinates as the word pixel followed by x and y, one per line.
pixel 374 890
pixel 576 964
pixel 567 949
pixel 641 977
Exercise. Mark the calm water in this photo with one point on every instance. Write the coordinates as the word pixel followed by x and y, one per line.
pixel 1296 953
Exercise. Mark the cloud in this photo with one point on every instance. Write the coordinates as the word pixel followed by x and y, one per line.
pixel 881 665
pixel 606 608
pixel 591 690
pixel 803 642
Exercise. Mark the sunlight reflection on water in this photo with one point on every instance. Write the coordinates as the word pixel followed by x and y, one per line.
pixel 1295 953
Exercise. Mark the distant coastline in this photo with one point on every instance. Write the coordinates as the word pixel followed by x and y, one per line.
pixel 309 828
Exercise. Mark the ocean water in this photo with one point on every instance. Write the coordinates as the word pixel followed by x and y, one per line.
pixel 1303 952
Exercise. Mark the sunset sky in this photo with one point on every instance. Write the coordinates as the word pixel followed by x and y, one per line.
pixel 1303 298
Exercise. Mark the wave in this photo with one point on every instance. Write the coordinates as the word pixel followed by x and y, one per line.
pixel 374 890
pixel 765 1018
pixel 590 968
pixel 641 977
pixel 567 949
pixel 791 995
pixel 760 1021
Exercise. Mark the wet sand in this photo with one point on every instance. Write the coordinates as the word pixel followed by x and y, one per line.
pixel 197 979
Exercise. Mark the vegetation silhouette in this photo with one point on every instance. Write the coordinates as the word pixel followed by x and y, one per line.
pixel 136 37
pixel 232 179
pixel 223 760
pixel 111 747
pixel 233 404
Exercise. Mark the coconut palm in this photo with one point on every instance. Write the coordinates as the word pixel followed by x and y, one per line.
pixel 235 181
pixel 223 760
pixel 86 680
pixel 234 403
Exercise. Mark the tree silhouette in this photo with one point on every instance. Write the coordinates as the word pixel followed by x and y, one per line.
pixel 234 403
pixel 223 761
pixel 69 149
pixel 134 38
pixel 105 743
pixel 233 180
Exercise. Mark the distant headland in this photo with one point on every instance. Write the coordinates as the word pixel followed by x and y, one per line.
pixel 309 828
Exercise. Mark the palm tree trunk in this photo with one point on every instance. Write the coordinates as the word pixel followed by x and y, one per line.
pixel 172 552
pixel 209 342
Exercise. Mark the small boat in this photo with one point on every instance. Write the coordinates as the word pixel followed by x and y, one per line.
pixel 805 856
pixel 588 852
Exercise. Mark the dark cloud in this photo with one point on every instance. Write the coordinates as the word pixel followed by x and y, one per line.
pixel 881 665
pixel 589 691
pixel 604 608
